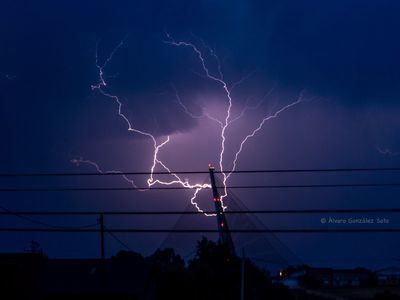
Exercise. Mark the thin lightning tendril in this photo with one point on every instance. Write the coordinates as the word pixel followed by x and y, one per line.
pixel 78 161
pixel 387 151
pixel 101 86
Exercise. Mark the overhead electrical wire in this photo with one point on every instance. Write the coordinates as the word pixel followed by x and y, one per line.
pixel 195 212
pixel 123 244
pixel 279 186
pixel 322 170
pixel 47 225
pixel 146 230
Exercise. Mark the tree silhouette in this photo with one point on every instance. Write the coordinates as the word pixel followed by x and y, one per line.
pixel 168 272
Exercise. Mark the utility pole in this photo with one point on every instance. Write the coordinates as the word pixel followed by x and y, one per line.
pixel 101 222
pixel 242 275
pixel 223 228
pixel 102 266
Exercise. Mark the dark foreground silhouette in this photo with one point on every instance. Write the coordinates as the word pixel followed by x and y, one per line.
pixel 212 274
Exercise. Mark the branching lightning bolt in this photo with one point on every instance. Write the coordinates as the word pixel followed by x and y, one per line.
pixel 79 161
pixel 224 122
pixel 219 78
pixel 387 151
pixel 101 87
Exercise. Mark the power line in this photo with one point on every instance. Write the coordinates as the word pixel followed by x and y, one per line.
pixel 284 211
pixel 324 170
pixel 103 189
pixel 6 211
pixel 23 215
pixel 134 230
pixel 123 244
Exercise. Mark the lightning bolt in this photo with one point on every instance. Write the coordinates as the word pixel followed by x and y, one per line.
pixel 79 161
pixel 386 151
pixel 101 87
pixel 227 120
pixel 10 77
pixel 224 122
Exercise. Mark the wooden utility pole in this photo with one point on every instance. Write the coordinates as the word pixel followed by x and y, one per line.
pixel 101 222
pixel 102 266
pixel 242 275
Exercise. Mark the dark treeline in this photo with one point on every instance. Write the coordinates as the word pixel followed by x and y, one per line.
pixel 212 273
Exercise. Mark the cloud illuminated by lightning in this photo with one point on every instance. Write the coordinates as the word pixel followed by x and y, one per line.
pixel 223 121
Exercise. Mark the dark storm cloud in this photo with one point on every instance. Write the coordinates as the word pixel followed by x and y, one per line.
pixel 342 49
pixel 346 52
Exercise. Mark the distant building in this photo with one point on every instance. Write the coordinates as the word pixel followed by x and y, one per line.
pixel 388 276
pixel 325 277
pixel 349 278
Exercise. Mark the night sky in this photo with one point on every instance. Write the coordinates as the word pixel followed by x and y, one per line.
pixel 342 57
